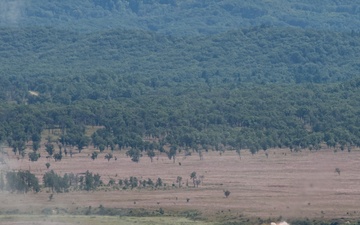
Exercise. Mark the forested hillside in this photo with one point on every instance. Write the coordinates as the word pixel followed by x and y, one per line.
pixel 261 78
pixel 181 17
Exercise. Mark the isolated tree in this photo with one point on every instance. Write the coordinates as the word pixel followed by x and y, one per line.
pixel 47 165
pixel 159 182
pixel 101 147
pixel 150 182
pixel 94 155
pixel 34 156
pixel 193 177
pixel 238 152
pixel 133 182
pixel 226 193
pixel 172 152
pixel 89 181
pixel 2 182
pixel 82 142
pixel 197 182
pixel 49 148
pixel 337 170
pixel 58 156
pixel 200 155
pixel 178 180
pixel 111 182
pixel 108 156
pixel 35 145
pixel 134 154
pixel 97 180
pixel 151 154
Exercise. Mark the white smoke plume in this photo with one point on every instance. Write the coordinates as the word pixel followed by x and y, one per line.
pixel 11 11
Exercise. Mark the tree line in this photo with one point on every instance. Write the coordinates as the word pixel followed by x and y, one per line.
pixel 24 182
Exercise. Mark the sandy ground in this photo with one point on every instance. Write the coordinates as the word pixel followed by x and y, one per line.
pixel 286 184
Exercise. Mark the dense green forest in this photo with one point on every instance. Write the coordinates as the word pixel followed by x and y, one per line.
pixel 181 16
pixel 248 87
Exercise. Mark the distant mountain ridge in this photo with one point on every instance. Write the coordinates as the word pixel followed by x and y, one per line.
pixel 181 17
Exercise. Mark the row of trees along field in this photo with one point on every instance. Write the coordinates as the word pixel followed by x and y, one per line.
pixel 254 89
pixel 24 181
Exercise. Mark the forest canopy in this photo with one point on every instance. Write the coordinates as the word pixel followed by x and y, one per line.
pixel 258 86
pixel 179 17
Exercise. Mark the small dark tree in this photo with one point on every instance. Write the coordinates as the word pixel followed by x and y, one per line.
pixel 47 165
pixel 36 145
pixel 178 180
pixel 151 154
pixel 2 182
pixel 150 182
pixel 337 170
pixel 89 181
pixel 159 182
pixel 49 148
pixel 58 156
pixel 101 147
pixel 94 155
pixel 226 193
pixel 34 156
pixel 172 153
pixel 193 177
pixel 135 154
pixel 133 182
pixel 108 156
pixel 111 182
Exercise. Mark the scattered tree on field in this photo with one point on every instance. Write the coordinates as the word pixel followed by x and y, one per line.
pixel 178 180
pixel 226 193
pixel 2 182
pixel 47 165
pixel 134 154
pixel 94 155
pixel 151 154
pixel 58 156
pixel 172 152
pixel 159 182
pixel 34 156
pixel 51 196
pixel 337 170
pixel 193 177
pixel 49 148
pixel 108 156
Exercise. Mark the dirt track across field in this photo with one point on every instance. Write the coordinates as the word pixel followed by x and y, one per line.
pixel 286 184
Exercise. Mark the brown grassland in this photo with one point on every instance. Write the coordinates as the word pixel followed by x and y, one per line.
pixel 285 184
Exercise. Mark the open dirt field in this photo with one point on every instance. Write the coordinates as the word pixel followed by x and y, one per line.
pixel 287 184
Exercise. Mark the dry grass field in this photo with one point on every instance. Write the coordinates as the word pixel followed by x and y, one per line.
pixel 286 184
